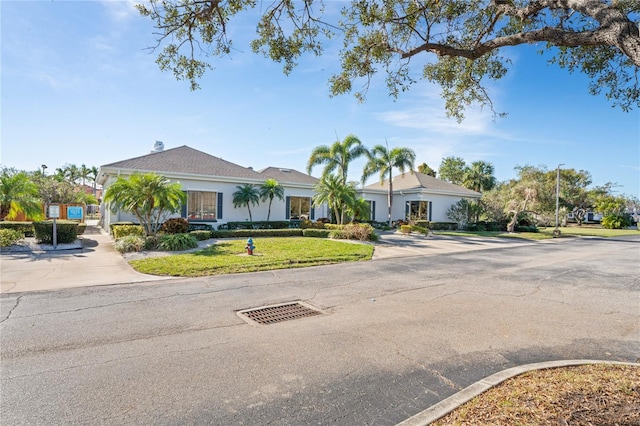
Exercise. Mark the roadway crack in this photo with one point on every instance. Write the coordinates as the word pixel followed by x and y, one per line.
pixel 18 299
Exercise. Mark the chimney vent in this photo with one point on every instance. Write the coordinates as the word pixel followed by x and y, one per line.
pixel 158 147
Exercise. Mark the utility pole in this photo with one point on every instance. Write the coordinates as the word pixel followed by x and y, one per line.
pixel 556 232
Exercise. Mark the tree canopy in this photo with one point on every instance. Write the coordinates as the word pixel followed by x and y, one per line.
pixel 461 41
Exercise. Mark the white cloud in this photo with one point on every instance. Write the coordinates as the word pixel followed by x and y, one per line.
pixel 120 10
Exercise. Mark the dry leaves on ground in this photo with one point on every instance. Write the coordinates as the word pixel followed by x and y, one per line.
pixel 597 394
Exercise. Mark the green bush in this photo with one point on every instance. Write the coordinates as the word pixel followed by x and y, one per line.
pixel 175 225
pixel 67 231
pixel 354 231
pixel 272 224
pixel 420 229
pixel 240 233
pixel 307 224
pixel 9 237
pixel 130 243
pixel 201 235
pixel 25 227
pixel 177 242
pixel 151 242
pixel 81 228
pixel 527 228
pixel 405 229
pixel 443 226
pixel 616 221
pixel 422 223
pixel 125 230
pixel 317 233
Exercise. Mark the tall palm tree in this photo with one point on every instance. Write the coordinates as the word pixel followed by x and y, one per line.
pixel 337 156
pixel 479 176
pixel 246 195
pixel 93 175
pixel 147 196
pixel 269 190
pixel 383 161
pixel 336 193
pixel 83 173
pixel 18 193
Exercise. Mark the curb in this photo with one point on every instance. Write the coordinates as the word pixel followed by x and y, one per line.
pixel 447 405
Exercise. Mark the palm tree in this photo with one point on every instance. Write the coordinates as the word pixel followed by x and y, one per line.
pixel 93 175
pixel 359 209
pixel 246 195
pixel 271 189
pixel 332 190
pixel 147 196
pixel 83 173
pixel 337 156
pixel 479 176
pixel 18 193
pixel 382 160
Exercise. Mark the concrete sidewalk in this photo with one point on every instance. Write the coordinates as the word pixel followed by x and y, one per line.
pixel 96 263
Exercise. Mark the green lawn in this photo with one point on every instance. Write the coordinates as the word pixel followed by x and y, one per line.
pixel 546 233
pixel 229 256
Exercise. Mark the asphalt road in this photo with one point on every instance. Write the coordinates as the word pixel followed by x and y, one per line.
pixel 399 335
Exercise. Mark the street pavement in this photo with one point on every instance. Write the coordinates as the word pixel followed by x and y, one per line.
pixel 422 321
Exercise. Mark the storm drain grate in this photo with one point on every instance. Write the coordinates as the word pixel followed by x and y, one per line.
pixel 279 313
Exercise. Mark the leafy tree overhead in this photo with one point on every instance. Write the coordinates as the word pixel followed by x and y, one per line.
pixel 382 160
pixel 337 157
pixel 269 190
pixel 150 197
pixel 246 195
pixel 461 41
pixel 18 193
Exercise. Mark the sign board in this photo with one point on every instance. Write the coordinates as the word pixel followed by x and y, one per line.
pixel 74 212
pixel 54 212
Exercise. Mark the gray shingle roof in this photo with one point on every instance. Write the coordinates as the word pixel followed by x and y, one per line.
pixel 284 175
pixel 421 181
pixel 186 160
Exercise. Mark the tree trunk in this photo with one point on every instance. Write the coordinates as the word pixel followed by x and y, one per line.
pixel 390 196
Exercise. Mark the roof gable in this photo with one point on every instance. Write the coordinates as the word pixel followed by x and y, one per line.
pixel 185 160
pixel 417 180
pixel 285 175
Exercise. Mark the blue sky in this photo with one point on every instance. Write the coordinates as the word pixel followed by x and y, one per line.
pixel 79 87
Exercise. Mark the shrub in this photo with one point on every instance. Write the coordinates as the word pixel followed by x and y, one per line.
pixel 9 237
pixel 151 242
pixel 67 231
pixel 125 230
pixel 81 228
pixel 354 231
pixel 422 223
pixel 177 242
pixel 323 220
pixel 615 221
pixel 526 228
pixel 25 227
pixel 130 243
pixel 443 226
pixel 405 229
pixel 201 235
pixel 175 225
pixel 307 224
pixel 420 229
pixel 318 233
pixel 240 233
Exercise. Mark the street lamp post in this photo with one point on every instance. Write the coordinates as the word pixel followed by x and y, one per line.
pixel 44 167
pixel 556 232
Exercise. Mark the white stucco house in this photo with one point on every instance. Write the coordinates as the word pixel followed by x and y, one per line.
pixel 210 182
pixel 415 196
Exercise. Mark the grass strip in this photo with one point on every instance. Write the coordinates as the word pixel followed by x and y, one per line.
pixel 229 257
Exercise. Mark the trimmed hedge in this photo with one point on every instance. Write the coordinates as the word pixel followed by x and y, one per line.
pixel 240 233
pixel 316 233
pixel 67 231
pixel 272 224
pixel 126 229
pixel 443 226
pixel 25 227
pixel 201 235
pixel 9 237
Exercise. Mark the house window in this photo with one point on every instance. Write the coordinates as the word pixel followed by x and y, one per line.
pixel 299 208
pixel 418 210
pixel 202 205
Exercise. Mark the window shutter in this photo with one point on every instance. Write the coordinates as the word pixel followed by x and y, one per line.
pixel 183 208
pixel 287 208
pixel 219 209
pixel 430 205
pixel 373 210
pixel 406 209
pixel 312 214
